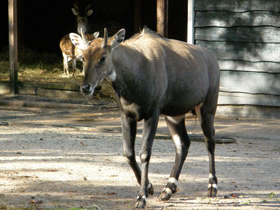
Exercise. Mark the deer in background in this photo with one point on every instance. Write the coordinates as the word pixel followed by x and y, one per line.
pixel 82 10
pixel 71 53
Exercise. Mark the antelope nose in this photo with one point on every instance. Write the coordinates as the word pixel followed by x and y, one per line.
pixel 86 89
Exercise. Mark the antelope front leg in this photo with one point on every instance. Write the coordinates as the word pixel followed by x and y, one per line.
pixel 177 129
pixel 129 126
pixel 150 127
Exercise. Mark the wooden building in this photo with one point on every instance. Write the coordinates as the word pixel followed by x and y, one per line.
pixel 245 37
pixel 243 34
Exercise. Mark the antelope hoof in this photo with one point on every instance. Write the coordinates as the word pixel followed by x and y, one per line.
pixel 165 194
pixel 150 188
pixel 140 202
pixel 212 190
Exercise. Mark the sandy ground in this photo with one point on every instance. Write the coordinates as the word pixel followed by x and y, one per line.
pixel 56 158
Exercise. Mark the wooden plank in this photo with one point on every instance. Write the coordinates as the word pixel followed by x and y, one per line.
pixel 226 98
pixel 162 17
pixel 230 19
pixel 238 5
pixel 250 82
pixel 243 51
pixel 269 67
pixel 248 111
pixel 13 46
pixel 239 34
pixel 62 94
pixel 54 86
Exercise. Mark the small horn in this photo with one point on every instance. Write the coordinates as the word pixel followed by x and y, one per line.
pixel 88 6
pixel 75 5
pixel 105 37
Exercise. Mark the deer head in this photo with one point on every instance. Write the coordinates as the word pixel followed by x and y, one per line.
pixel 70 52
pixel 82 14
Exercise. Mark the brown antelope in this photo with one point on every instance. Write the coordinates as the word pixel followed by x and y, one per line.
pixel 70 52
pixel 82 12
pixel 152 75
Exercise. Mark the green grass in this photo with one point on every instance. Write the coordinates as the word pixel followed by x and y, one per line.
pixel 272 194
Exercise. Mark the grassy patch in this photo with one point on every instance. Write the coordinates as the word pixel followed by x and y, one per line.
pixel 272 194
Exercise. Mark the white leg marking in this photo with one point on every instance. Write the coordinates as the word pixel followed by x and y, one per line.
pixel 212 185
pixel 178 143
pixel 143 197
pixel 173 180
pixel 167 190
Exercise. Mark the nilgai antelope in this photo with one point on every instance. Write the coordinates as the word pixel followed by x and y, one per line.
pixel 152 75
pixel 82 11
pixel 70 52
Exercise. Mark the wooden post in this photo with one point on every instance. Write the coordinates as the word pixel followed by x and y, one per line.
pixel 13 46
pixel 137 15
pixel 162 17
pixel 191 13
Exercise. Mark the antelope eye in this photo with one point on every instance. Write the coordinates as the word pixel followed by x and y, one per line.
pixel 102 59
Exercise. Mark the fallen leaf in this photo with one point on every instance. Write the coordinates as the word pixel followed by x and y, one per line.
pixel 38 202
pixel 83 144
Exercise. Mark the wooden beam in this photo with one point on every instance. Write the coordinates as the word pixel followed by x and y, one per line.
pixel 137 15
pixel 13 46
pixel 162 17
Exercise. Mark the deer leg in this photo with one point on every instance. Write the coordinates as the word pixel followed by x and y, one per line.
pixel 177 129
pixel 150 127
pixel 65 64
pixel 207 124
pixel 129 127
pixel 74 64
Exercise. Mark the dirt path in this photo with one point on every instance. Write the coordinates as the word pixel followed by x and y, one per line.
pixel 54 158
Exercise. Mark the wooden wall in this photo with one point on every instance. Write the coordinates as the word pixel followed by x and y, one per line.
pixel 245 37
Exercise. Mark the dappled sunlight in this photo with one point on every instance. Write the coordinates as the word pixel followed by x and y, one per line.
pixel 78 160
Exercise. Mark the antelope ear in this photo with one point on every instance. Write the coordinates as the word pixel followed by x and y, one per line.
pixel 78 41
pixel 75 12
pixel 89 12
pixel 117 38
pixel 96 34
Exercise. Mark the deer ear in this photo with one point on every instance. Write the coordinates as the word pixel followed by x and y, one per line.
pixel 78 41
pixel 89 12
pixel 75 12
pixel 96 34
pixel 117 38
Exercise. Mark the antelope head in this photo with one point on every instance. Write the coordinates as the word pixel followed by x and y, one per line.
pixel 97 58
